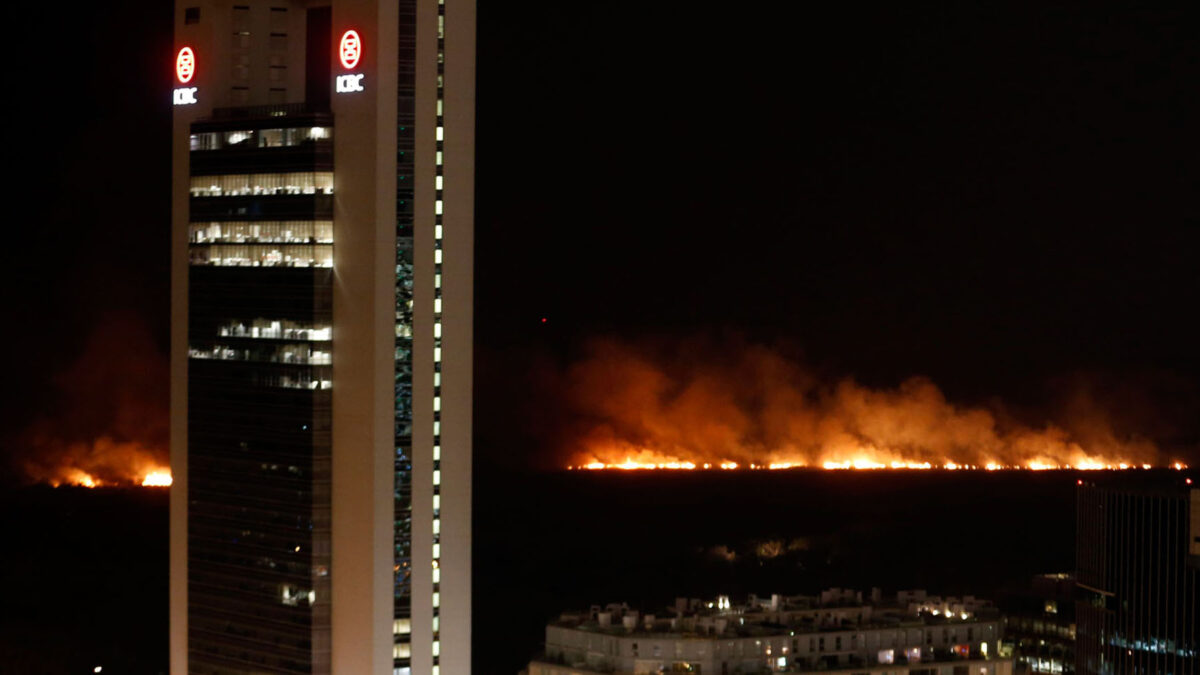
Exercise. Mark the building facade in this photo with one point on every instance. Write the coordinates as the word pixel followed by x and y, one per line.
pixel 1138 572
pixel 836 632
pixel 321 355
pixel 1039 624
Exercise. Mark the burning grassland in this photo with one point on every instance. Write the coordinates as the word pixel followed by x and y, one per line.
pixel 640 409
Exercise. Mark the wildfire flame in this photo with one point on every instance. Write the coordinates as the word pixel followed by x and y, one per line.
pixel 753 409
pixel 156 477
pixel 862 463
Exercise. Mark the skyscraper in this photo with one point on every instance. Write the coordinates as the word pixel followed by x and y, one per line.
pixel 322 257
pixel 1138 567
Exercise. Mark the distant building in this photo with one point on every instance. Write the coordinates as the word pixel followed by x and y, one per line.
pixel 1138 560
pixel 1039 625
pixel 836 632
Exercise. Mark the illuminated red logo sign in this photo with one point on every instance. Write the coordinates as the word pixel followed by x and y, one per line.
pixel 185 65
pixel 350 50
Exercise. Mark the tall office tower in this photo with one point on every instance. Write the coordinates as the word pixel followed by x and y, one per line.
pixel 1138 559
pixel 321 350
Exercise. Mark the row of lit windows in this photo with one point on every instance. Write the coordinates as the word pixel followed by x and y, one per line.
pixel 275 232
pixel 259 138
pixel 262 255
pixel 295 354
pixel 236 185
pixel 274 330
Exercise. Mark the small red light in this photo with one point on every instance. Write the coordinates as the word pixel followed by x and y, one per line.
pixel 1079 482
pixel 543 319
pixel 1189 481
pixel 350 50
pixel 185 65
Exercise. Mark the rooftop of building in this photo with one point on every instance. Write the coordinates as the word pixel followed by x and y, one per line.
pixel 832 611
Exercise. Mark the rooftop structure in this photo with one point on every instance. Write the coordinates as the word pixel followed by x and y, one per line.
pixel 836 631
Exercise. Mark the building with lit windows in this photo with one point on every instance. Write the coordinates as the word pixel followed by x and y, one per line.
pixel 836 632
pixel 321 348
pixel 1039 624
pixel 1138 574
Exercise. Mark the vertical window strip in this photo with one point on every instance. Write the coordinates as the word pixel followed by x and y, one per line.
pixel 439 178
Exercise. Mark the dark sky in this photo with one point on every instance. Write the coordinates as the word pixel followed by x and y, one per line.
pixel 999 198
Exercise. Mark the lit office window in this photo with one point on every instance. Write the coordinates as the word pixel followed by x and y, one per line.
pixel 232 185
pixel 261 255
pixel 274 330
pixel 278 232
pixel 259 138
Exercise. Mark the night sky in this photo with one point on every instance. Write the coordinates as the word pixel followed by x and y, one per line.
pixel 1001 199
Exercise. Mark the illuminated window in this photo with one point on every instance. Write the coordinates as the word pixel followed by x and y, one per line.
pixel 401 650
pixel 264 255
pixel 267 353
pixel 236 185
pixel 440 133
pixel 401 626
pixel 274 232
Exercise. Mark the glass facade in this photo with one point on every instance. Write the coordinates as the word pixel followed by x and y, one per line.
pixel 259 403
pixel 1139 586
pixel 405 120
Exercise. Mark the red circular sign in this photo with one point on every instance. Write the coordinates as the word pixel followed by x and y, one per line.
pixel 185 65
pixel 350 50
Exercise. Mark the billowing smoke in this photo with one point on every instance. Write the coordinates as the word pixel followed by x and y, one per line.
pixel 747 404
pixel 108 421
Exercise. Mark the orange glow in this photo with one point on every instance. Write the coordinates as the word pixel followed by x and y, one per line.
pixel 866 460
pixel 103 463
pixel 78 478
pixel 658 407
pixel 158 478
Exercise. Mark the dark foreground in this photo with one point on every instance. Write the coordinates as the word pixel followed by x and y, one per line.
pixel 84 572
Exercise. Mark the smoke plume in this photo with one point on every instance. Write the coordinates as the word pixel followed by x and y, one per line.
pixel 107 423
pixel 748 404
